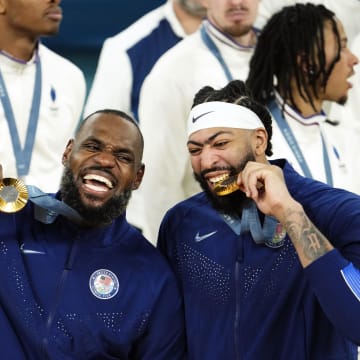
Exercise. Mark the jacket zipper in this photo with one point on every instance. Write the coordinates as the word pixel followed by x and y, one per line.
pixel 239 260
pixel 59 291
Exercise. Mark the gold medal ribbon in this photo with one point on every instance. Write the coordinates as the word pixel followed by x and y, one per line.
pixel 14 195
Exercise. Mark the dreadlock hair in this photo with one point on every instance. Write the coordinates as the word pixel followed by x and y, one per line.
pixel 292 34
pixel 236 92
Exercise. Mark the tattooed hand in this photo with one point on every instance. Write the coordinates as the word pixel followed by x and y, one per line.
pixel 265 184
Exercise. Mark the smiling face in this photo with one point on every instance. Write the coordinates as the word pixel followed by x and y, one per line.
pixel 32 18
pixel 218 152
pixel 102 167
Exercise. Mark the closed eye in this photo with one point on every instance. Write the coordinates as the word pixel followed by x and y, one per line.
pixel 220 144
pixel 124 157
pixel 91 146
pixel 194 151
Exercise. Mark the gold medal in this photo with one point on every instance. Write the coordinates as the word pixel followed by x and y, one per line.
pixel 226 185
pixel 13 195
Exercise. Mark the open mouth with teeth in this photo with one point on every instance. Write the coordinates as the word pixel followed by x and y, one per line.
pixel 225 184
pixel 97 183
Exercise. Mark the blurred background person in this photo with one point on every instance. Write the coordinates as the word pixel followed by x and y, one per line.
pixel 301 60
pixel 347 11
pixel 127 57
pixel 42 93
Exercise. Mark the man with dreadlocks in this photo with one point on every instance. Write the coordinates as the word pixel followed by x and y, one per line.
pixel 302 60
pixel 220 50
pixel 268 261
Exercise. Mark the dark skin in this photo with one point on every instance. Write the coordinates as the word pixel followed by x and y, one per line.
pixel 104 161
pixel 105 158
pixel 22 22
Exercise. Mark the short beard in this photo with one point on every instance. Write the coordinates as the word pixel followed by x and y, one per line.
pixel 94 216
pixel 233 203
pixel 342 101
pixel 236 31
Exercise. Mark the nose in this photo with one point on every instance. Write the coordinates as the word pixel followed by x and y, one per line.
pixel 237 2
pixel 209 158
pixel 105 158
pixel 354 60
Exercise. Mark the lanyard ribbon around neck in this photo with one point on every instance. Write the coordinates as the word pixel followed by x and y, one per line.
pixel 215 51
pixel 48 208
pixel 23 155
pixel 294 146
pixel 250 222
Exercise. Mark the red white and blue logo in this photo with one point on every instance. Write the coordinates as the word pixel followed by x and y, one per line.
pixel 278 239
pixel 104 284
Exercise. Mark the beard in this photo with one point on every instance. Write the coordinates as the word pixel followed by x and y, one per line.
pixel 93 215
pixel 236 31
pixel 233 203
pixel 342 100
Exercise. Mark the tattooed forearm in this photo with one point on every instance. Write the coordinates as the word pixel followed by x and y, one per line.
pixel 308 241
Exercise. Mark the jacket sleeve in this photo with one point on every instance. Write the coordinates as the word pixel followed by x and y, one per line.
pixel 336 283
pixel 334 277
pixel 165 336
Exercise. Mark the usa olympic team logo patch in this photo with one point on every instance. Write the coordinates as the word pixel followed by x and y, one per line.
pixel 278 239
pixel 104 284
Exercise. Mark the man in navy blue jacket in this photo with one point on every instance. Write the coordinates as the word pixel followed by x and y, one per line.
pixel 86 284
pixel 267 260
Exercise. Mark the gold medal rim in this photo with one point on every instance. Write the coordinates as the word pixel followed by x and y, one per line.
pixel 22 198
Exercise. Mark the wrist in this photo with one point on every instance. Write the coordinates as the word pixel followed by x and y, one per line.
pixel 288 210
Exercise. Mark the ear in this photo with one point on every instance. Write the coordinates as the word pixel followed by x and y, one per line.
pixel 139 177
pixel 260 141
pixel 67 151
pixel 306 66
pixel 2 6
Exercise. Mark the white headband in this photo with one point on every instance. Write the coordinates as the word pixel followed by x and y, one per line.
pixel 222 114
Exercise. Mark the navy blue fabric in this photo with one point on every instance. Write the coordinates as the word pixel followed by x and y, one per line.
pixel 155 44
pixel 49 311
pixel 248 301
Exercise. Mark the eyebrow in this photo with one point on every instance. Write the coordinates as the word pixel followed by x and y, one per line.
pixel 102 144
pixel 211 138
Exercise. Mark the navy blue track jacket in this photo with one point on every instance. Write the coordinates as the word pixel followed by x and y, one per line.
pixel 250 301
pixel 72 293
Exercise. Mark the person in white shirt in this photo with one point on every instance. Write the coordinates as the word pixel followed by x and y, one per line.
pixel 42 93
pixel 302 60
pixel 345 10
pixel 127 57
pixel 218 52
pixel 348 114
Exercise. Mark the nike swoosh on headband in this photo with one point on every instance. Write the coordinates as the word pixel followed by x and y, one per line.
pixel 196 118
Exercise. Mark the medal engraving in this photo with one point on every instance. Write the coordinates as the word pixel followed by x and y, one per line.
pixel 13 195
